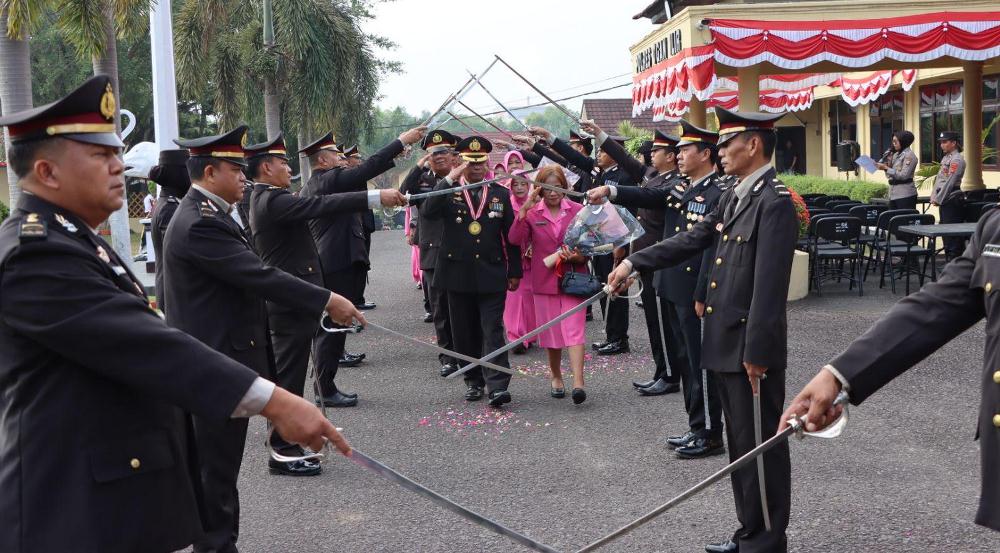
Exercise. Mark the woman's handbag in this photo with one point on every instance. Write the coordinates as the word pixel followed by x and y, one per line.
pixel 580 284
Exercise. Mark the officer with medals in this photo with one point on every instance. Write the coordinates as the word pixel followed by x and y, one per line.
pixel 172 175
pixel 947 193
pixel 754 229
pixel 661 177
pixel 439 145
pixel 340 241
pixel 218 285
pixel 92 422
pixel 476 265
pixel 608 173
pixel 280 230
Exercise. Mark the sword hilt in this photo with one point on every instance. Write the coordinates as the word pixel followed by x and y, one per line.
pixel 832 430
pixel 335 328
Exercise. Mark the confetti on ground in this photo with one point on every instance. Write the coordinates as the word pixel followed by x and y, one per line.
pixel 480 419
pixel 592 365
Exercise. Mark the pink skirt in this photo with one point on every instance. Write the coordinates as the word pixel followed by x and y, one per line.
pixel 519 311
pixel 569 332
pixel 415 271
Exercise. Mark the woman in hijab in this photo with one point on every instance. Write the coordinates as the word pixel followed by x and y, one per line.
pixel 900 164
pixel 519 310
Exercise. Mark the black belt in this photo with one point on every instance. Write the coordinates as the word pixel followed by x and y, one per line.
pixel 904 182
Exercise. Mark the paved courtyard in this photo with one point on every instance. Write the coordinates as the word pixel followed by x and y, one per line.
pixel 904 477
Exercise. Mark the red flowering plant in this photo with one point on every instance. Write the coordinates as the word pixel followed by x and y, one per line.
pixel 801 213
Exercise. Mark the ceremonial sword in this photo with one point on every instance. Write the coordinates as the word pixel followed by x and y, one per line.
pixel 362 459
pixel 481 85
pixel 761 485
pixel 796 425
pixel 547 186
pixel 459 94
pixel 485 120
pixel 355 329
pixel 606 291
pixel 538 90
pixel 453 189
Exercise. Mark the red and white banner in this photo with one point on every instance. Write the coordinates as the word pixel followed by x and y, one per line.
pixel 690 73
pixel 863 90
pixel 969 36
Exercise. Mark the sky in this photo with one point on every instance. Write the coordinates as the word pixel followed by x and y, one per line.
pixel 564 48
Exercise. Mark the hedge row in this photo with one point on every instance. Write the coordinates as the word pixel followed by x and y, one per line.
pixel 856 190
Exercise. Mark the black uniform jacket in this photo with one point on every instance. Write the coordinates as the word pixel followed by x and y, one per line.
pixel 967 291
pixel 429 230
pixel 164 210
pixel 684 207
pixel 94 454
pixel 474 263
pixel 279 221
pixel 745 317
pixel 340 240
pixel 218 284
pixel 573 160
pixel 651 218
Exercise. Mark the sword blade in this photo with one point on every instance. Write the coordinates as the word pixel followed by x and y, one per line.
pixel 548 186
pixel 384 471
pixel 452 190
pixel 719 475
pixel 440 349
pixel 761 484
pixel 510 113
pixel 513 343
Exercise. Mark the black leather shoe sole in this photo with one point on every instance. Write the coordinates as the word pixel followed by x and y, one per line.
pixel 699 451
pixel 474 394
pixel 296 468
pixel 658 390
pixel 645 384
pixel 499 398
pixel 366 306
pixel 338 402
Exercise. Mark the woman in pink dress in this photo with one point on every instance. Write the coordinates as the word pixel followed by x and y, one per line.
pixel 411 239
pixel 542 222
pixel 519 310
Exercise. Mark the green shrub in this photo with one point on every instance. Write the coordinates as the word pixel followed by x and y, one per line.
pixel 4 212
pixel 856 190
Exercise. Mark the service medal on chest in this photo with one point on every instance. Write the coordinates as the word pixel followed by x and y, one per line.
pixel 475 228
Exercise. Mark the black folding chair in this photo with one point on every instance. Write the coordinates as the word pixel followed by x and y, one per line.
pixel 842 233
pixel 908 253
pixel 844 207
pixel 883 239
pixel 810 243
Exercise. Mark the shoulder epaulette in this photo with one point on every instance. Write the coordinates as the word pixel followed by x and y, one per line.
pixel 780 188
pixel 173 199
pixel 207 209
pixel 32 228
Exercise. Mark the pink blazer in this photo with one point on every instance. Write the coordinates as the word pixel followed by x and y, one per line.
pixel 545 234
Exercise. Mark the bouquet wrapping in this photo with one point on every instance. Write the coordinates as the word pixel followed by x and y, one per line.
pixel 599 229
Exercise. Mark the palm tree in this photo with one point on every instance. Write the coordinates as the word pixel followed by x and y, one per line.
pixel 316 60
pixel 17 19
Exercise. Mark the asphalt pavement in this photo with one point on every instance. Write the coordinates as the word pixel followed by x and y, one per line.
pixel 904 477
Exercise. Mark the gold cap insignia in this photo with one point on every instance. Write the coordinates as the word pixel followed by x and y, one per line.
pixel 31 218
pixel 437 138
pixel 475 146
pixel 243 140
pixel 108 104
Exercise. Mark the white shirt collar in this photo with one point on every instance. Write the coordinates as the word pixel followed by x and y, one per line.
pixel 223 204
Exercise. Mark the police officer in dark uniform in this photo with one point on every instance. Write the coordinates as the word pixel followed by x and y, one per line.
pixel 661 177
pixel 280 230
pixel 439 144
pixel 754 229
pixel 912 330
pixel 340 240
pixel 477 265
pixel 608 173
pixel 218 286
pixel 352 156
pixel 172 176
pixel 91 421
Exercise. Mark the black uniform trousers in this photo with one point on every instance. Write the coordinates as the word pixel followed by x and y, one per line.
pixel 656 324
pixel 615 312
pixel 329 347
pixel 225 441
pixel 291 359
pixel 362 276
pixel 701 397
pixel 737 403
pixel 953 212
pixel 425 280
pixel 477 328
pixel 438 300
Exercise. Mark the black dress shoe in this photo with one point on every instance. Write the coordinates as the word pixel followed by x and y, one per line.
pixel 644 384
pixel 519 349
pixel 337 399
pixel 579 395
pixel 614 348
pixel 365 306
pixel 673 442
pixel 659 388
pixel 598 345
pixel 590 316
pixel 728 546
pixel 558 393
pixel 448 368
pixel 351 395
pixel 294 468
pixel 350 360
pixel 499 397
pixel 428 318
pixel 701 446
pixel 474 393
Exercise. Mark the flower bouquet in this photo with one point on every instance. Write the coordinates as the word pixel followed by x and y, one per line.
pixel 599 229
